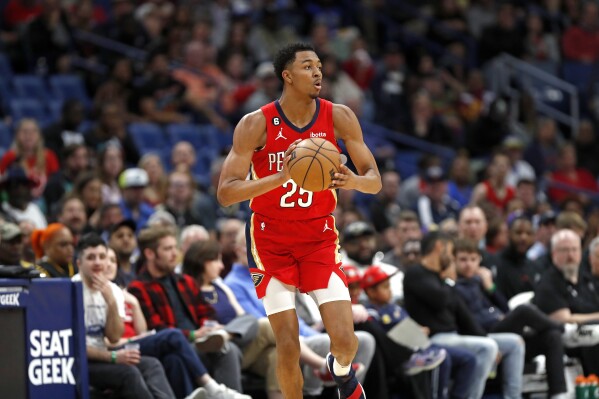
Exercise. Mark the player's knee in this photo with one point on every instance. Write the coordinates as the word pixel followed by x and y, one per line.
pixel 288 347
pixel 346 342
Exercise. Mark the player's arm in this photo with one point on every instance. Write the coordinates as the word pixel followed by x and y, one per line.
pixel 347 128
pixel 233 187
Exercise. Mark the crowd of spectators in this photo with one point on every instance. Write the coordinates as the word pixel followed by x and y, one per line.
pixel 419 69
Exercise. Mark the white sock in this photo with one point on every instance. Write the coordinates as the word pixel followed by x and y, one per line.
pixel 340 370
pixel 211 387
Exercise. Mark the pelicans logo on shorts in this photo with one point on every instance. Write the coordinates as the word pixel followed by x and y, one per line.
pixel 257 278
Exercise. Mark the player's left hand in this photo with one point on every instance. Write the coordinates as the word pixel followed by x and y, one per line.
pixel 345 178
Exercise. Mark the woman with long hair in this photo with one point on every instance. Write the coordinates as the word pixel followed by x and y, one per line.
pixel 155 192
pixel 54 248
pixel 111 161
pixel 29 151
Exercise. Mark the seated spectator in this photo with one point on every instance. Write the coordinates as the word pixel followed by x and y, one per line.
pixel 519 169
pixel 587 147
pixel 268 87
pixel 182 366
pixel 65 132
pixel 375 283
pixel 132 182
pixel 544 231
pixel 18 204
pixel 111 128
pixel 384 207
pixel 542 152
pixel 495 189
pixel 75 160
pixel 490 309
pixel 343 89
pixel 540 45
pixel 122 240
pixel 226 232
pixel 434 204
pixel 407 228
pixel 459 187
pixel 122 371
pixel 54 249
pixel 28 152
pixel 118 88
pixel 502 37
pixel 497 235
pixel 580 42
pixel 567 293
pixel 109 165
pixel 164 298
pixel 569 179
pixel 12 245
pixel 423 124
pixel 110 214
pixel 155 192
pixel 514 272
pixel 180 189
pixel 183 157
pixel 88 187
pixel 71 213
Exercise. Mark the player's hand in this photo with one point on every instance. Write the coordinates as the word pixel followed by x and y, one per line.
pixel 345 178
pixel 290 149
pixel 128 356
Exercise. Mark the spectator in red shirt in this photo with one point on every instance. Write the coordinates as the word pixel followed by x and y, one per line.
pixel 19 12
pixel 29 151
pixel 581 42
pixel 568 174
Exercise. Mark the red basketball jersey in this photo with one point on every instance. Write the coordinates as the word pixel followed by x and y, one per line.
pixel 290 201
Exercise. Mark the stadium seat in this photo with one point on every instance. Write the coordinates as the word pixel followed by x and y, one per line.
pixel 29 108
pixel 5 68
pixel 5 137
pixel 55 109
pixel 66 87
pixel 201 137
pixel 578 73
pixel 5 94
pixel 406 163
pixel 148 137
pixel 30 86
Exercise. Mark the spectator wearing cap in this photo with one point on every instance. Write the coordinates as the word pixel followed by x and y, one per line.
pixel 71 213
pixel 133 181
pixel 11 245
pixel 353 275
pixel 123 241
pixel 514 272
pixel 434 204
pixel 359 248
pixel 54 250
pixel 545 229
pixel 18 205
pixel 494 189
pixel 268 88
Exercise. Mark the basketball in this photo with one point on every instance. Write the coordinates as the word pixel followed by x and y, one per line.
pixel 313 164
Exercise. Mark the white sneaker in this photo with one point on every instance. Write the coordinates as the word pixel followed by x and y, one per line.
pixel 225 392
pixel 580 335
pixel 199 393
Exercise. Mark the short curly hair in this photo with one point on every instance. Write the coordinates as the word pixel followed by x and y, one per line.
pixel 286 56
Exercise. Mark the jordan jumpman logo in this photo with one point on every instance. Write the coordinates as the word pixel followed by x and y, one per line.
pixel 280 135
pixel 326 226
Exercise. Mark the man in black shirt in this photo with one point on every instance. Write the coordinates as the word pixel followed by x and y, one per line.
pixel 569 294
pixel 434 304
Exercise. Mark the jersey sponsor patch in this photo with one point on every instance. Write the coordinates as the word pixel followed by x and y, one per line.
pixel 257 278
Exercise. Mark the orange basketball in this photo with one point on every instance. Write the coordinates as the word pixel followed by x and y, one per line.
pixel 314 163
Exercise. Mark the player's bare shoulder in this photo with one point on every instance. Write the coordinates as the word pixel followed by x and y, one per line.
pixel 251 130
pixel 345 122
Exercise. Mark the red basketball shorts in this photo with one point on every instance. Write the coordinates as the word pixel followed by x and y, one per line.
pixel 302 253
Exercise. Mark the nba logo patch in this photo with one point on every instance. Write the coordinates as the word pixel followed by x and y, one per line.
pixel 257 278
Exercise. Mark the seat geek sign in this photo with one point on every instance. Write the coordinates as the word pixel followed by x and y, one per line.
pixel 56 365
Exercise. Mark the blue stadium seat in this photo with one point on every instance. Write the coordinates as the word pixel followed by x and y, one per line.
pixel 406 163
pixel 55 109
pixel 29 108
pixel 5 68
pixel 148 137
pixel 30 86
pixel 201 137
pixel 66 87
pixel 5 94
pixel 578 73
pixel 201 170
pixel 5 136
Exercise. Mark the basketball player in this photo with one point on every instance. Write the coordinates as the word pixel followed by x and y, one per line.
pixel 289 244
